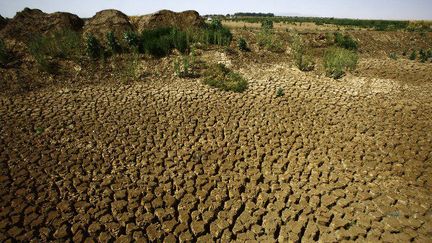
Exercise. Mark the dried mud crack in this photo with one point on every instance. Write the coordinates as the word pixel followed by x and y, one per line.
pixel 326 162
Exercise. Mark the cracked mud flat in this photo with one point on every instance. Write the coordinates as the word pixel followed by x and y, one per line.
pixel 329 161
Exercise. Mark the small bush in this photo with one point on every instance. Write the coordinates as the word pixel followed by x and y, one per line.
pixel 270 41
pixel 133 41
pixel 157 42
pixel 303 61
pixel 345 41
pixel 5 54
pixel 216 24
pixel 113 45
pixel 423 56
pixel 219 76
pixel 413 55
pixel 93 48
pixel 280 92
pixel 267 24
pixel 337 61
pixel 429 53
pixel 242 45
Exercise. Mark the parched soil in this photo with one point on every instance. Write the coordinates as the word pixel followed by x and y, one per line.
pixel 177 160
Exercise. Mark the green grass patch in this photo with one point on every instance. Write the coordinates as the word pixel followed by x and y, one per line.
pixel 221 77
pixel 337 61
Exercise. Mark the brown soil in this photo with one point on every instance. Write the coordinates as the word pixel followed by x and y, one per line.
pixel 106 21
pixel 170 159
pixel 32 22
pixel 166 18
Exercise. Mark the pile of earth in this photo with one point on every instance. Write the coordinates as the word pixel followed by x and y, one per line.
pixel 30 22
pixel 109 20
pixel 3 22
pixel 167 18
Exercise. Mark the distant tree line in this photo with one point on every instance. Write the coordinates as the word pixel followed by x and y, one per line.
pixel 254 14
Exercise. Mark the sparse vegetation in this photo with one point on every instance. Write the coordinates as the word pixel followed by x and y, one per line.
pixel 413 55
pixel 280 92
pixel 337 61
pixel 221 77
pixel 393 56
pixel 267 24
pixel 128 68
pixel 133 42
pixel 303 61
pixel 270 41
pixel 5 54
pixel 345 41
pixel 242 45
pixel 65 44
pixel 215 34
pixel 423 56
pixel 184 67
pixel 113 44
pixel 380 25
pixel 93 47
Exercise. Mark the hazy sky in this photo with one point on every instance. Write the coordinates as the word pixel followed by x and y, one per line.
pixel 369 9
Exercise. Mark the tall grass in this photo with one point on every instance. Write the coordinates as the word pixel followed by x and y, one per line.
pixel 66 44
pixel 302 60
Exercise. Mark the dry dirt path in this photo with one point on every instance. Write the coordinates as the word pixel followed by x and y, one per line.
pixel 329 161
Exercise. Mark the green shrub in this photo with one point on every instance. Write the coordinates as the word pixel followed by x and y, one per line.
pixel 113 45
pixel 5 54
pixel 345 41
pixel 133 41
pixel 216 24
pixel 423 56
pixel 413 55
pixel 267 24
pixel 270 41
pixel 93 48
pixel 280 92
pixel 221 77
pixel 429 53
pixel 337 61
pixel 242 45
pixel 303 61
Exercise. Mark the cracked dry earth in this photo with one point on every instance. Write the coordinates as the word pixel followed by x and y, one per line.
pixel 329 161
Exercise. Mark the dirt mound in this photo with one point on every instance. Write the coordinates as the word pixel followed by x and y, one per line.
pixel 30 22
pixel 33 21
pixel 106 21
pixel 3 22
pixel 167 18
